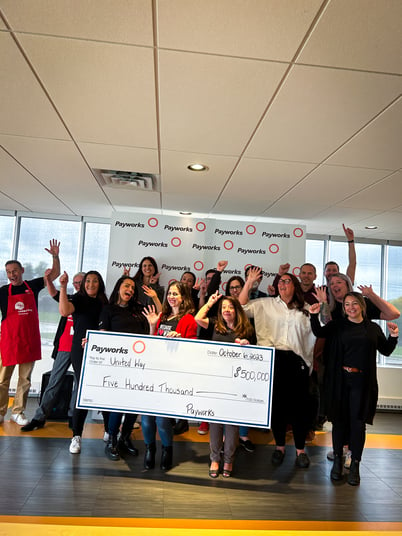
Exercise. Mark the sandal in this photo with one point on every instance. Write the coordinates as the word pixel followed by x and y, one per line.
pixel 227 473
pixel 214 473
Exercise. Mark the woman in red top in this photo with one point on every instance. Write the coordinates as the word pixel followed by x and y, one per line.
pixel 175 320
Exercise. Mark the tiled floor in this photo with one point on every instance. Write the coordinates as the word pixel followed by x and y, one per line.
pixel 41 478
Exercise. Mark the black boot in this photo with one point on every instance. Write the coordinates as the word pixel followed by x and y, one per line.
pixel 180 427
pixel 125 445
pixel 336 471
pixel 149 460
pixel 167 458
pixel 354 475
pixel 111 450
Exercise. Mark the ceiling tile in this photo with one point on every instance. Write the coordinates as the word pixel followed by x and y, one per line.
pixel 24 108
pixel 22 191
pixel 203 100
pixel 384 195
pixel 378 145
pixel 46 160
pixel 256 184
pixel 363 34
pixel 108 96
pixel 120 158
pixel 317 110
pixel 102 20
pixel 247 28
pixel 176 178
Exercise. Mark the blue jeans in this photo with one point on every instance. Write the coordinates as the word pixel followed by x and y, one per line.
pixel 243 431
pixel 60 367
pixel 165 429
pixel 115 421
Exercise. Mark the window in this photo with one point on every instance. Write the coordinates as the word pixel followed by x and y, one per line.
pixel 315 255
pixel 96 248
pixel 394 295
pixel 6 243
pixel 35 234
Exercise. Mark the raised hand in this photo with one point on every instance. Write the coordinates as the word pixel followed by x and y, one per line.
pixel 54 247
pixel 151 315
pixel 393 329
pixel 63 280
pixel 271 290
pixel 221 265
pixel 154 278
pixel 254 274
pixel 126 271
pixel 148 291
pixel 367 291
pixel 350 235
pixel 315 308
pixel 199 282
pixel 214 298
pixel 321 294
pixel 284 268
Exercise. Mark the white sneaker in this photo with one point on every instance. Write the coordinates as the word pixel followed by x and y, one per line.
pixel 348 459
pixel 105 437
pixel 75 447
pixel 19 418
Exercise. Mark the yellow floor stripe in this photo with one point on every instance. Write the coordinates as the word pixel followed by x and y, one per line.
pixel 95 431
pixel 195 526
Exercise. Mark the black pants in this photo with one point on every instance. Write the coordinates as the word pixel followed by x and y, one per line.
pixel 349 425
pixel 290 398
pixel 79 415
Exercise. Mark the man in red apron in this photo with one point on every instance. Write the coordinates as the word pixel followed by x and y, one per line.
pixel 20 342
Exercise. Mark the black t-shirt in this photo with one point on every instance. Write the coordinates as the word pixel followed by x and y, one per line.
pixel 85 316
pixel 36 285
pixel 167 326
pixel 123 320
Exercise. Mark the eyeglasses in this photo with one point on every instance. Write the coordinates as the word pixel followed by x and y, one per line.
pixel 76 282
pixel 237 287
pixel 285 281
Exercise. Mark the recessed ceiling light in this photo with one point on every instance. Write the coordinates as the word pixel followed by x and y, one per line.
pixel 186 213
pixel 197 167
pixel 371 227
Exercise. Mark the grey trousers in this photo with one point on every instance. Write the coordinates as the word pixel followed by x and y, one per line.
pixel 60 367
pixel 216 432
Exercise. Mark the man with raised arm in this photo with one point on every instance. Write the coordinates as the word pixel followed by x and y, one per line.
pixel 20 342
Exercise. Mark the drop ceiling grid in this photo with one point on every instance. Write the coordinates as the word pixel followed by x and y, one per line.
pixel 25 110
pixel 384 195
pixel 46 160
pixel 378 145
pixel 317 110
pixel 177 179
pixel 108 96
pixel 118 21
pixel 362 34
pixel 213 27
pixel 263 180
pixel 21 186
pixel 100 156
pixel 211 104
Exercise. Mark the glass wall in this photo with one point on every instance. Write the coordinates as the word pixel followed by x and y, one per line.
pixel 84 246
pixel 379 265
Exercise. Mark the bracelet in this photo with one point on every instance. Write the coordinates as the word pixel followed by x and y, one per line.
pixel 55 256
pixel 350 241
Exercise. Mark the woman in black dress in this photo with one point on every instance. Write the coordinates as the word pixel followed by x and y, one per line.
pixel 350 383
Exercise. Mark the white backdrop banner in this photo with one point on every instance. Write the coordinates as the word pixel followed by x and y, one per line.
pixel 196 245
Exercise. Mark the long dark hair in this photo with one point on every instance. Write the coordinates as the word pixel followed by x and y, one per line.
pixel 139 275
pixel 114 296
pixel 297 301
pixel 186 307
pixel 242 327
pixel 101 296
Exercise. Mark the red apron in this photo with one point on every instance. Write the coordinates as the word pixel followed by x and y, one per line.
pixel 20 336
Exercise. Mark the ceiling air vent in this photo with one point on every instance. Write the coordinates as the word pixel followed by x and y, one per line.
pixel 130 180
